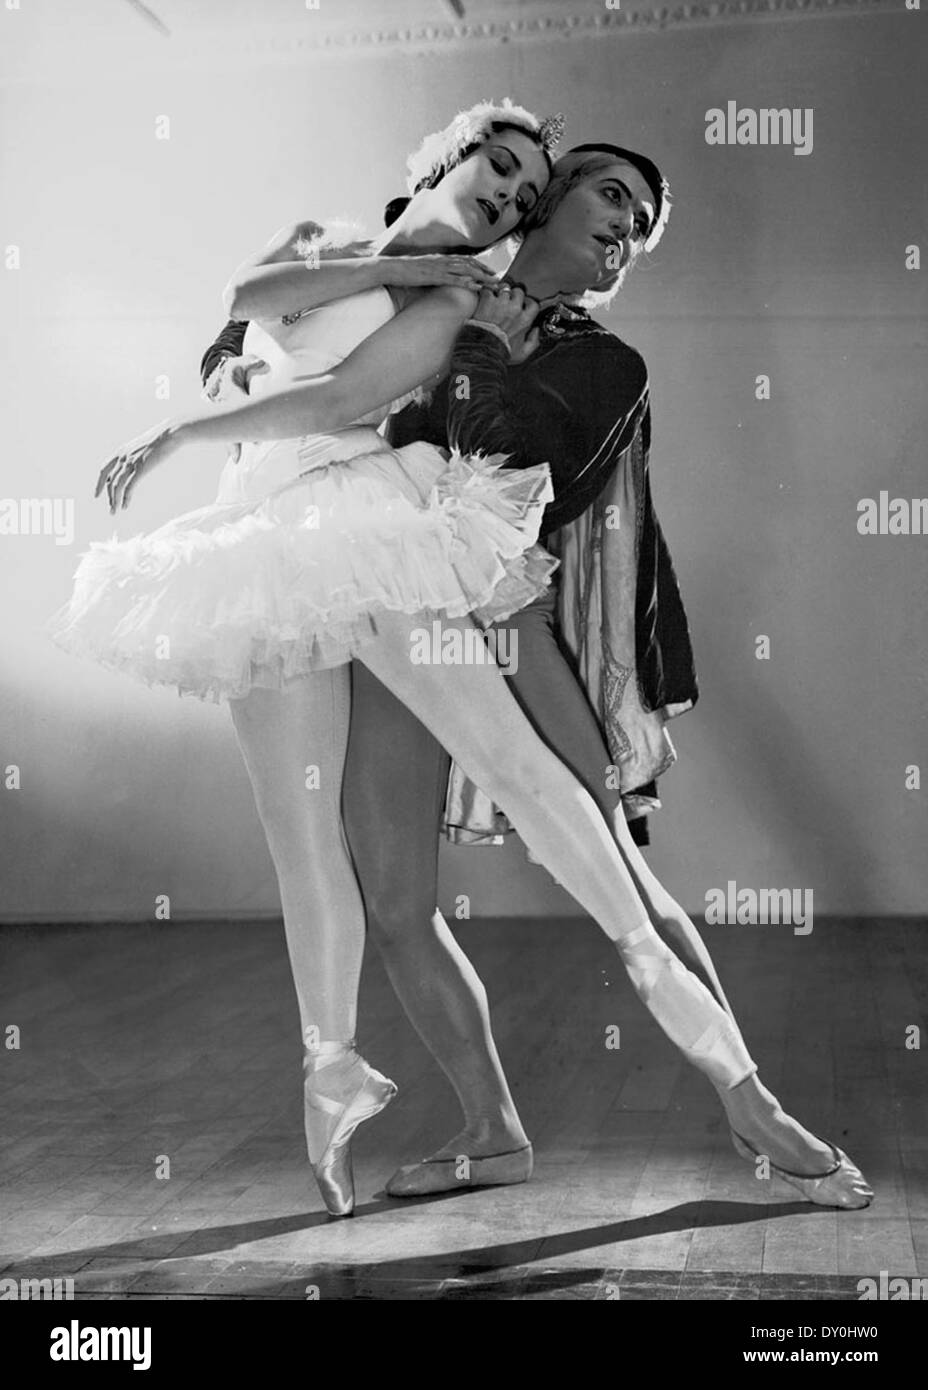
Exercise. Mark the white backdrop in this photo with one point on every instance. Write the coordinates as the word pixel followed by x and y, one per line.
pixel 792 770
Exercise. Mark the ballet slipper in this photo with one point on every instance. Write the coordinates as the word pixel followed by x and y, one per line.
pixel 462 1171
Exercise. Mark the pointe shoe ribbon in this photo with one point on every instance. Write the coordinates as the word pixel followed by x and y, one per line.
pixel 843 1185
pixel 445 1174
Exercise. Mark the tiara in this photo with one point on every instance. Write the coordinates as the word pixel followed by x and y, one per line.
pixel 440 149
pixel 551 131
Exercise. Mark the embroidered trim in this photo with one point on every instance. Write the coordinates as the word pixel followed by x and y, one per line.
pixel 636 453
pixel 558 320
pixel 615 679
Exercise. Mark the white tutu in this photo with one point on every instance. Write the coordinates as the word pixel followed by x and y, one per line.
pixel 307 542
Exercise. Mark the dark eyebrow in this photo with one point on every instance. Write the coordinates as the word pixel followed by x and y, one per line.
pixel 628 193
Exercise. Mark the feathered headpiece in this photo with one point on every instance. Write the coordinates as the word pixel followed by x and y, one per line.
pixel 443 149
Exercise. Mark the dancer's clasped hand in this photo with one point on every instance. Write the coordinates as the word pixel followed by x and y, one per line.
pixel 510 309
pixel 242 369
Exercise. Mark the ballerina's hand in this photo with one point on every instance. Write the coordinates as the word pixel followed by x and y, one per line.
pixel 434 269
pixel 121 473
pixel 242 369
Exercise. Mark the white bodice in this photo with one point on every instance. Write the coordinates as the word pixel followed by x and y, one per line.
pixel 312 344
pixel 317 341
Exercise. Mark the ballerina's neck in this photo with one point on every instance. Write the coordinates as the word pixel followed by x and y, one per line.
pixel 412 235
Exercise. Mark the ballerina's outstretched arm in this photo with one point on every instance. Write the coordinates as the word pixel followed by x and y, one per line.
pixel 409 351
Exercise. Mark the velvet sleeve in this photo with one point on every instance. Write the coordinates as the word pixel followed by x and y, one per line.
pixel 575 406
pixel 482 416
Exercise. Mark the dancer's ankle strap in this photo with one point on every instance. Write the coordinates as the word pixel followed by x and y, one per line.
pixel 323 1053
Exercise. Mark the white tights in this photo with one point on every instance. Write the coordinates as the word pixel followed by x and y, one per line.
pixel 282 735
pixel 470 711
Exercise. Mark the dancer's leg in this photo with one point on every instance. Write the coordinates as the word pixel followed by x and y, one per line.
pixel 553 701
pixel 294 743
pixel 395 779
pixel 469 709
pixel 284 736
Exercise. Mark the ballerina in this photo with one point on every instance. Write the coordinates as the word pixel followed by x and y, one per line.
pixel 246 623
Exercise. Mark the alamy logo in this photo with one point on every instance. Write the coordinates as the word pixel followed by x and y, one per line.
pixel 899 517
pixel 752 907
pixel 36 1289
pixel 76 1343
pixel 767 126
pixel 892 1289
pixel 38 516
pixel 454 646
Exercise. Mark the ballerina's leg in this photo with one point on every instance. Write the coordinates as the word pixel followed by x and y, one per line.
pixel 550 695
pixel 293 742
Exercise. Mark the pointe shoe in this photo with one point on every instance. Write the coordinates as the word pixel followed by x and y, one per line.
pixel 340 1092
pixel 844 1185
pixel 449 1174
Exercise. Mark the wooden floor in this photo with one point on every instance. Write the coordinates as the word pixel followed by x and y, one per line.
pixel 183 1041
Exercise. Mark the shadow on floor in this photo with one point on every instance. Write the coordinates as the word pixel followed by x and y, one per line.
pixel 521 1268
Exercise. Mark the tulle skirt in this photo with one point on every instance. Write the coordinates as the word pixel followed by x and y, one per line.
pixel 306 543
